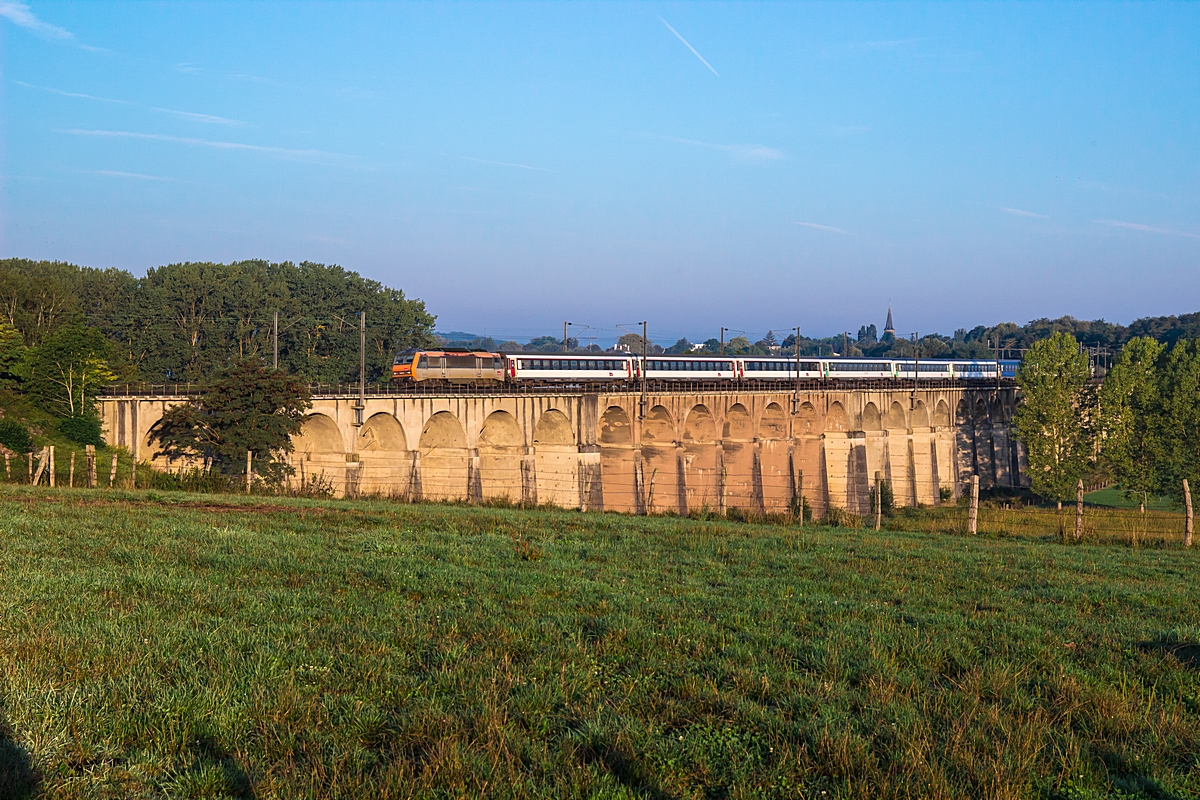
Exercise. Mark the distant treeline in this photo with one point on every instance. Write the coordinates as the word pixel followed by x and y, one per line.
pixel 978 342
pixel 182 322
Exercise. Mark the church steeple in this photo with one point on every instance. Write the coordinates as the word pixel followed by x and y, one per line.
pixel 889 327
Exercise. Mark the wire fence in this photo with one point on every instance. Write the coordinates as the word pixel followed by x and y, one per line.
pixel 656 486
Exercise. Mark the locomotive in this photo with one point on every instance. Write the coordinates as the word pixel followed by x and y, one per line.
pixel 478 366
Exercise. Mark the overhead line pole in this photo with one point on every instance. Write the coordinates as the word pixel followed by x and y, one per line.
pixel 642 402
pixel 796 395
pixel 362 365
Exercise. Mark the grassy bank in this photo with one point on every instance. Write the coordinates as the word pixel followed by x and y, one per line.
pixel 158 644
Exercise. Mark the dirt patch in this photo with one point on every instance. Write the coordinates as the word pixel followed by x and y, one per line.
pixel 1186 653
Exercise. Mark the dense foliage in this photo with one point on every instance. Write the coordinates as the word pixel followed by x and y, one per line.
pixel 246 407
pixel 1053 418
pixel 66 331
pixel 183 321
pixel 1150 417
pixel 1139 429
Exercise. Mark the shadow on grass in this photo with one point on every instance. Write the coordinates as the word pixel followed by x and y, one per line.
pixel 1186 653
pixel 18 778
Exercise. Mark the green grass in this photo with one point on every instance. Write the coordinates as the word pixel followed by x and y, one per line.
pixel 160 644
pixel 1115 498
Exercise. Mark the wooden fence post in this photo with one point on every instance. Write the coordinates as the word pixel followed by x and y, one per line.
pixel 112 475
pixel 7 466
pixel 878 499
pixel 133 472
pixel 973 509
pixel 1079 511
pixel 1187 507
pixel 43 460
pixel 29 458
pixel 800 494
pixel 71 474
pixel 249 458
pixel 51 466
pixel 90 457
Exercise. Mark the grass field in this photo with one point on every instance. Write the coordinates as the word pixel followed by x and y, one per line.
pixel 1115 498
pixel 156 644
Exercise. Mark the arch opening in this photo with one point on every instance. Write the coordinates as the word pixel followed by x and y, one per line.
pixel 871 418
pixel 553 428
pixel 615 427
pixel 699 425
pixel 738 426
pixel 774 423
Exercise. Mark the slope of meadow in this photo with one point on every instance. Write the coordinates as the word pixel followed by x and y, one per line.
pixel 156 644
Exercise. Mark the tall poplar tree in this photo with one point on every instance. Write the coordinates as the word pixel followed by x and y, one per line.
pixel 1054 415
pixel 1131 408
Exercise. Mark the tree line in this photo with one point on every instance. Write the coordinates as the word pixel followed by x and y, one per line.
pixel 1139 428
pixel 980 342
pixel 67 330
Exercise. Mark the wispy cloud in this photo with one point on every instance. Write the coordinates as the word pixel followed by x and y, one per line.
pixel 308 156
pixel 20 15
pixel 504 164
pixel 819 227
pixel 112 173
pixel 742 152
pixel 1020 212
pixel 689 46
pixel 188 115
pixel 1137 226
pixel 194 117
pixel 77 95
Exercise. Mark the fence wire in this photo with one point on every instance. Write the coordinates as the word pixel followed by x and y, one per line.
pixel 658 487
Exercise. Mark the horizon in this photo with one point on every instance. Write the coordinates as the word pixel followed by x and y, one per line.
pixel 753 167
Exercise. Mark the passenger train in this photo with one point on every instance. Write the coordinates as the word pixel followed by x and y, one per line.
pixel 473 366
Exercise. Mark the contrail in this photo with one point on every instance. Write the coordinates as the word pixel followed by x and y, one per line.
pixel 689 47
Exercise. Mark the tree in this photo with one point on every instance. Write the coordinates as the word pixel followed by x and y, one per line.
pixel 1130 414
pixel 1179 427
pixel 737 345
pixel 770 340
pixel 1054 414
pixel 680 347
pixel 67 369
pixel 12 353
pixel 247 407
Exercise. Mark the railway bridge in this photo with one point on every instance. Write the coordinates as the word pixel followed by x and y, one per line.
pixel 678 451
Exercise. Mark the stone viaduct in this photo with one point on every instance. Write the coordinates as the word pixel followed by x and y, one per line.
pixel 717 450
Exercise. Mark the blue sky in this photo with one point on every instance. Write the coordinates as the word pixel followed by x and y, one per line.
pixel 749 165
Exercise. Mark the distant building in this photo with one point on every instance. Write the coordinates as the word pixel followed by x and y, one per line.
pixel 889 327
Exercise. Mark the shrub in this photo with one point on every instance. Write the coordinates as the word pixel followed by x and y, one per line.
pixel 15 436
pixel 82 429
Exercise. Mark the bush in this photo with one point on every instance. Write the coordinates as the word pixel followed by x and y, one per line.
pixel 15 436
pixel 82 430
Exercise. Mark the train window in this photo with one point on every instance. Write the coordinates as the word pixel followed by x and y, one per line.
pixel 574 364
pixel 497 364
